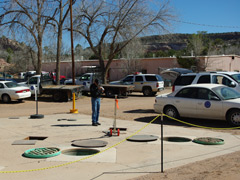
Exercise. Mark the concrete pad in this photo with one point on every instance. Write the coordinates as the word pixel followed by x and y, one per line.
pixel 120 159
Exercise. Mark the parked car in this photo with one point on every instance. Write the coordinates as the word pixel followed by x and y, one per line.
pixel 148 84
pixel 229 79
pixel 205 101
pixel 12 91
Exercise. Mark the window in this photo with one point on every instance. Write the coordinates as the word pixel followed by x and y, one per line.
pixel 159 78
pixel 203 93
pixel 84 78
pixel 187 93
pixel 11 84
pixel 128 79
pixel 138 78
pixel 204 79
pixel 236 77
pixel 150 78
pixel 184 80
pixel 33 80
pixel 1 86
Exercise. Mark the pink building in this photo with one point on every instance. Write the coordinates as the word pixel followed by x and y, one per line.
pixel 122 67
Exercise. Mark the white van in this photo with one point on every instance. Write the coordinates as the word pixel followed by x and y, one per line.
pixel 230 79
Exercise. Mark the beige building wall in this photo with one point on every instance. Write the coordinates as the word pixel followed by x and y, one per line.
pixel 222 63
pixel 122 67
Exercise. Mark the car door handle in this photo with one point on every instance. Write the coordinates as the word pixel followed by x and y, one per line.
pixel 177 101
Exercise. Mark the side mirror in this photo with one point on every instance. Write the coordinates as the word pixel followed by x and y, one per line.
pixel 232 84
pixel 215 98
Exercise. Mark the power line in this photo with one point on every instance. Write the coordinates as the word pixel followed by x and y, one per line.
pixel 207 25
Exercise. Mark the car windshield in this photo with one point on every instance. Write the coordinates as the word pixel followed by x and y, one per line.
pixel 226 93
pixel 11 84
pixel 236 77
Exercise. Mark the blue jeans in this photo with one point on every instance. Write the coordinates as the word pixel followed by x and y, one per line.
pixel 95 109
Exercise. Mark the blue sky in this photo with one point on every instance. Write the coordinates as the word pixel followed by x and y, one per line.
pixel 225 13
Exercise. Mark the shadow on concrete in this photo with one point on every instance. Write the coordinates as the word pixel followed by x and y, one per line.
pixel 198 122
pixel 140 111
pixel 70 125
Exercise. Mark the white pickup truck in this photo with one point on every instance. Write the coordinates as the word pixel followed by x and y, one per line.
pixel 110 90
pixel 148 84
pixel 44 84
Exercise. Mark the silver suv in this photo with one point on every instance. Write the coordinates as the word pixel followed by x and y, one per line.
pixel 148 84
pixel 230 79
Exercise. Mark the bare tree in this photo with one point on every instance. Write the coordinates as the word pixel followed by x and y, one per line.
pixel 31 17
pixel 114 24
pixel 63 11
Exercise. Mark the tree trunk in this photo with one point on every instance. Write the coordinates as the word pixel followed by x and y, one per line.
pixel 59 45
pixel 40 54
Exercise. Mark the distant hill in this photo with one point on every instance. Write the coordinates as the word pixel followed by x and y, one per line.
pixel 179 41
pixel 151 43
pixel 6 43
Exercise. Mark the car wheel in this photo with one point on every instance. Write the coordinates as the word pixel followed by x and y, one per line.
pixel 171 111
pixel 109 93
pixel 233 117
pixel 147 91
pixel 57 96
pixel 6 98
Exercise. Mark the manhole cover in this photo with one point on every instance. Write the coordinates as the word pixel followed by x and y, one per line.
pixel 177 139
pixel 209 141
pixel 143 138
pixel 89 143
pixel 80 152
pixel 42 152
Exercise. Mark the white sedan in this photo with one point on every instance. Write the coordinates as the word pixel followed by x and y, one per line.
pixel 12 91
pixel 206 101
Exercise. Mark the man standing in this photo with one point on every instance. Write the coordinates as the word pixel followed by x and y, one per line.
pixel 95 91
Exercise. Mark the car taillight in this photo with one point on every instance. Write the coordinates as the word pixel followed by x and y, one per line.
pixel 157 85
pixel 22 91
pixel 173 88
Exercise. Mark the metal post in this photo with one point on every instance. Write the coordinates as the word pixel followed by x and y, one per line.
pixel 115 114
pixel 36 99
pixel 162 143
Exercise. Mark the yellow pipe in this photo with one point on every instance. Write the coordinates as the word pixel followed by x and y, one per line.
pixel 73 110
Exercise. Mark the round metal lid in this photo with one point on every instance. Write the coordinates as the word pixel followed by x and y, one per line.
pixel 143 138
pixel 89 143
pixel 42 152
pixel 209 141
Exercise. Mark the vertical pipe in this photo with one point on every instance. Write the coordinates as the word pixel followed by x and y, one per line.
pixel 115 114
pixel 162 143
pixel 72 47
